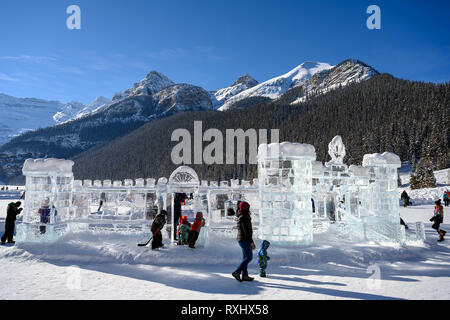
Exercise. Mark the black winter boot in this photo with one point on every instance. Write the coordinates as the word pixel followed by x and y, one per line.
pixel 247 278
pixel 237 276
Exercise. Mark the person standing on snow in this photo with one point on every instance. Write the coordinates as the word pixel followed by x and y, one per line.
pixel 157 225
pixel 245 240
pixel 438 218
pixel 446 198
pixel 183 231
pixel 11 215
pixel 263 258
pixel 198 223
pixel 178 199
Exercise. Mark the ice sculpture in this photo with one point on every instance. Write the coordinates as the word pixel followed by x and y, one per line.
pixel 382 218
pixel 358 202
pixel 285 185
pixel 48 199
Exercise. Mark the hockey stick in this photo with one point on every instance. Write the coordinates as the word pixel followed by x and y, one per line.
pixel 144 244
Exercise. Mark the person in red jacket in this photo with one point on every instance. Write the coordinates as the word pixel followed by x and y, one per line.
pixel 198 223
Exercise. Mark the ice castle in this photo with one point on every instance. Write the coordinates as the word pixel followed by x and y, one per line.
pixel 293 199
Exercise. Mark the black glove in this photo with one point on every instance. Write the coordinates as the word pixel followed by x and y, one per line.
pixel 432 219
pixel 20 209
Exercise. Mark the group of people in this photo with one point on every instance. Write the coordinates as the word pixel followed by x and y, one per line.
pixel 185 233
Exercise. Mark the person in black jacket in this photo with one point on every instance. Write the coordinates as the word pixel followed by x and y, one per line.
pixel 157 225
pixel 245 240
pixel 10 221
pixel 404 196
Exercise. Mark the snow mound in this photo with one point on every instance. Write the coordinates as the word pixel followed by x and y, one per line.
pixel 47 165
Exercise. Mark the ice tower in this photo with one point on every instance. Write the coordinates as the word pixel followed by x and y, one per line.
pixel 48 199
pixel 285 186
pixel 382 222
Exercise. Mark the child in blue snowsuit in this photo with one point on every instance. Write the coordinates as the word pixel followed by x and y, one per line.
pixel 263 258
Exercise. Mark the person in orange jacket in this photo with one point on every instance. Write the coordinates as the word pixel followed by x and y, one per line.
pixel 198 223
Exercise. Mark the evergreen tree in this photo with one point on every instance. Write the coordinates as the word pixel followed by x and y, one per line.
pixel 423 176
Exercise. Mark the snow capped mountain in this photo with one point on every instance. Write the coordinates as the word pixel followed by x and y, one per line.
pixel 75 110
pixel 24 114
pixel 68 111
pixel 152 83
pixel 348 71
pixel 275 87
pixel 244 82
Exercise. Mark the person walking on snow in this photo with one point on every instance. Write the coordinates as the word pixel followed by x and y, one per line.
pixel 157 225
pixel 438 218
pixel 245 241
pixel 446 198
pixel 198 223
pixel 11 215
pixel 183 231
pixel 263 258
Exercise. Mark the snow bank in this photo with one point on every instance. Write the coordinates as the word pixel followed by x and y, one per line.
pixel 47 165
pixel 287 149
pixel 376 159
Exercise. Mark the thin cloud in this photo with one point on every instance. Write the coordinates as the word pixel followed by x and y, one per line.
pixel 28 58
pixel 5 77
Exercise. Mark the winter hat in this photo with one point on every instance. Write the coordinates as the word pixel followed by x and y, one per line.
pixel 199 215
pixel 244 206
pixel 164 212
pixel 18 204
pixel 184 219
pixel 438 202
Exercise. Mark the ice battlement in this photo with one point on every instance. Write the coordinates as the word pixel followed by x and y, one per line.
pixel 293 198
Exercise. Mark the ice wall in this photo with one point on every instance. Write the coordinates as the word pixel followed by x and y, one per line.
pixel 285 186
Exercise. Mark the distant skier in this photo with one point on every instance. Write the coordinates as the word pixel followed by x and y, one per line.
pixel 198 223
pixel 404 196
pixel 11 215
pixel 183 231
pixel 446 198
pixel 22 196
pixel 245 240
pixel 157 225
pixel 263 258
pixel 438 218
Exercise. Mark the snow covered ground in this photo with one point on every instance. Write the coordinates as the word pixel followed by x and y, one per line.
pixel 112 266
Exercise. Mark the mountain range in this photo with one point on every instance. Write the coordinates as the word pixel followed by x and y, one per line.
pixel 82 127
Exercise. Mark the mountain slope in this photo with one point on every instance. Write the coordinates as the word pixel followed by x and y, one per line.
pixel 273 88
pixel 19 115
pixel 243 83
pixel 76 110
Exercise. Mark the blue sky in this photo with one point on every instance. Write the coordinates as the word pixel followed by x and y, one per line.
pixel 209 42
